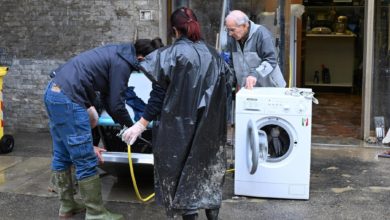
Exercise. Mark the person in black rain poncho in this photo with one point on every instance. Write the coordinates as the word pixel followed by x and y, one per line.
pixel 188 107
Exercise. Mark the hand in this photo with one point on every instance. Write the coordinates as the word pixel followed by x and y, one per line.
pixel 93 116
pixel 250 82
pixel 98 151
pixel 132 133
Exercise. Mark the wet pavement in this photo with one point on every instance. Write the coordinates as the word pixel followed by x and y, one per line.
pixel 348 181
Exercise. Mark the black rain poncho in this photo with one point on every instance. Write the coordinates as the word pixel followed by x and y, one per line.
pixel 190 134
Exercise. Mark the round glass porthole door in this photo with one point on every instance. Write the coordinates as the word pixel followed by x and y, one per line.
pixel 280 137
pixel 256 146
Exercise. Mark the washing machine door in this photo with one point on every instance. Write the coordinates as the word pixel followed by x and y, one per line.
pixel 256 146
pixel 281 138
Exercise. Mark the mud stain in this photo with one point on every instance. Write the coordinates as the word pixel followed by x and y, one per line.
pixel 378 189
pixel 341 190
pixel 332 168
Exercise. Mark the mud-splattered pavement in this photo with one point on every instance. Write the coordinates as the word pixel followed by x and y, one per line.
pixel 348 181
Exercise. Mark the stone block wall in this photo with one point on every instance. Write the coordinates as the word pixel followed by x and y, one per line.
pixel 23 88
pixel 43 34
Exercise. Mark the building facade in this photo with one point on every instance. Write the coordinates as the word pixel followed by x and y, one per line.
pixel 42 35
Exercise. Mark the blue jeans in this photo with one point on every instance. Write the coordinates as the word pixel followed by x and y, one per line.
pixel 71 134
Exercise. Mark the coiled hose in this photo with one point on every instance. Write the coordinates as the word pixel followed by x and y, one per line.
pixel 133 178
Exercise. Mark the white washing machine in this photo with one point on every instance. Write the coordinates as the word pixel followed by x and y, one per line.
pixel 273 142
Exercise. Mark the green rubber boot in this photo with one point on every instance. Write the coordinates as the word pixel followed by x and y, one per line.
pixel 52 185
pixel 62 180
pixel 90 190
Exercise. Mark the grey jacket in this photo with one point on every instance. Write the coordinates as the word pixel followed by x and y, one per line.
pixel 258 51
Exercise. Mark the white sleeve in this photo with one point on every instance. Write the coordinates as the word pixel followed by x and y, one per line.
pixel 264 69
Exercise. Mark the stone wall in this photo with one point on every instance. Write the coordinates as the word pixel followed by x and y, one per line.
pixel 23 95
pixel 43 34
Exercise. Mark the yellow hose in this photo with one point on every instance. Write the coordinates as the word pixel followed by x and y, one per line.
pixel 229 170
pixel 133 178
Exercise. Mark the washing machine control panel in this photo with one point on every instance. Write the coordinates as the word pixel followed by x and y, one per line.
pixel 263 105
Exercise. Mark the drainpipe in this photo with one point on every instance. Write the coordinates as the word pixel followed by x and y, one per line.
pixel 368 56
pixel 282 43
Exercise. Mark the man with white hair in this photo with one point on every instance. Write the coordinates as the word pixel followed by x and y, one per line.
pixel 253 53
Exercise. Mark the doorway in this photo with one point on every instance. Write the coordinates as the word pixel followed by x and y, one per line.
pixel 209 14
pixel 340 93
pixel 332 65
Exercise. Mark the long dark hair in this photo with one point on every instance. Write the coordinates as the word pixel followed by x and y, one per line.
pixel 185 21
pixel 146 46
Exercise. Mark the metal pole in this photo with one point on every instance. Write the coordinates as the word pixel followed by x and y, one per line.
pixel 282 36
pixel 368 58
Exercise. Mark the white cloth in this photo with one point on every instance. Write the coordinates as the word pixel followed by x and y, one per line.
pixel 386 140
pixel 264 69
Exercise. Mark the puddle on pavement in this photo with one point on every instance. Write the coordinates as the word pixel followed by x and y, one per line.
pixel 358 153
pixel 8 161
pixel 31 176
pixel 22 176
pixel 2 177
pixel 120 187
